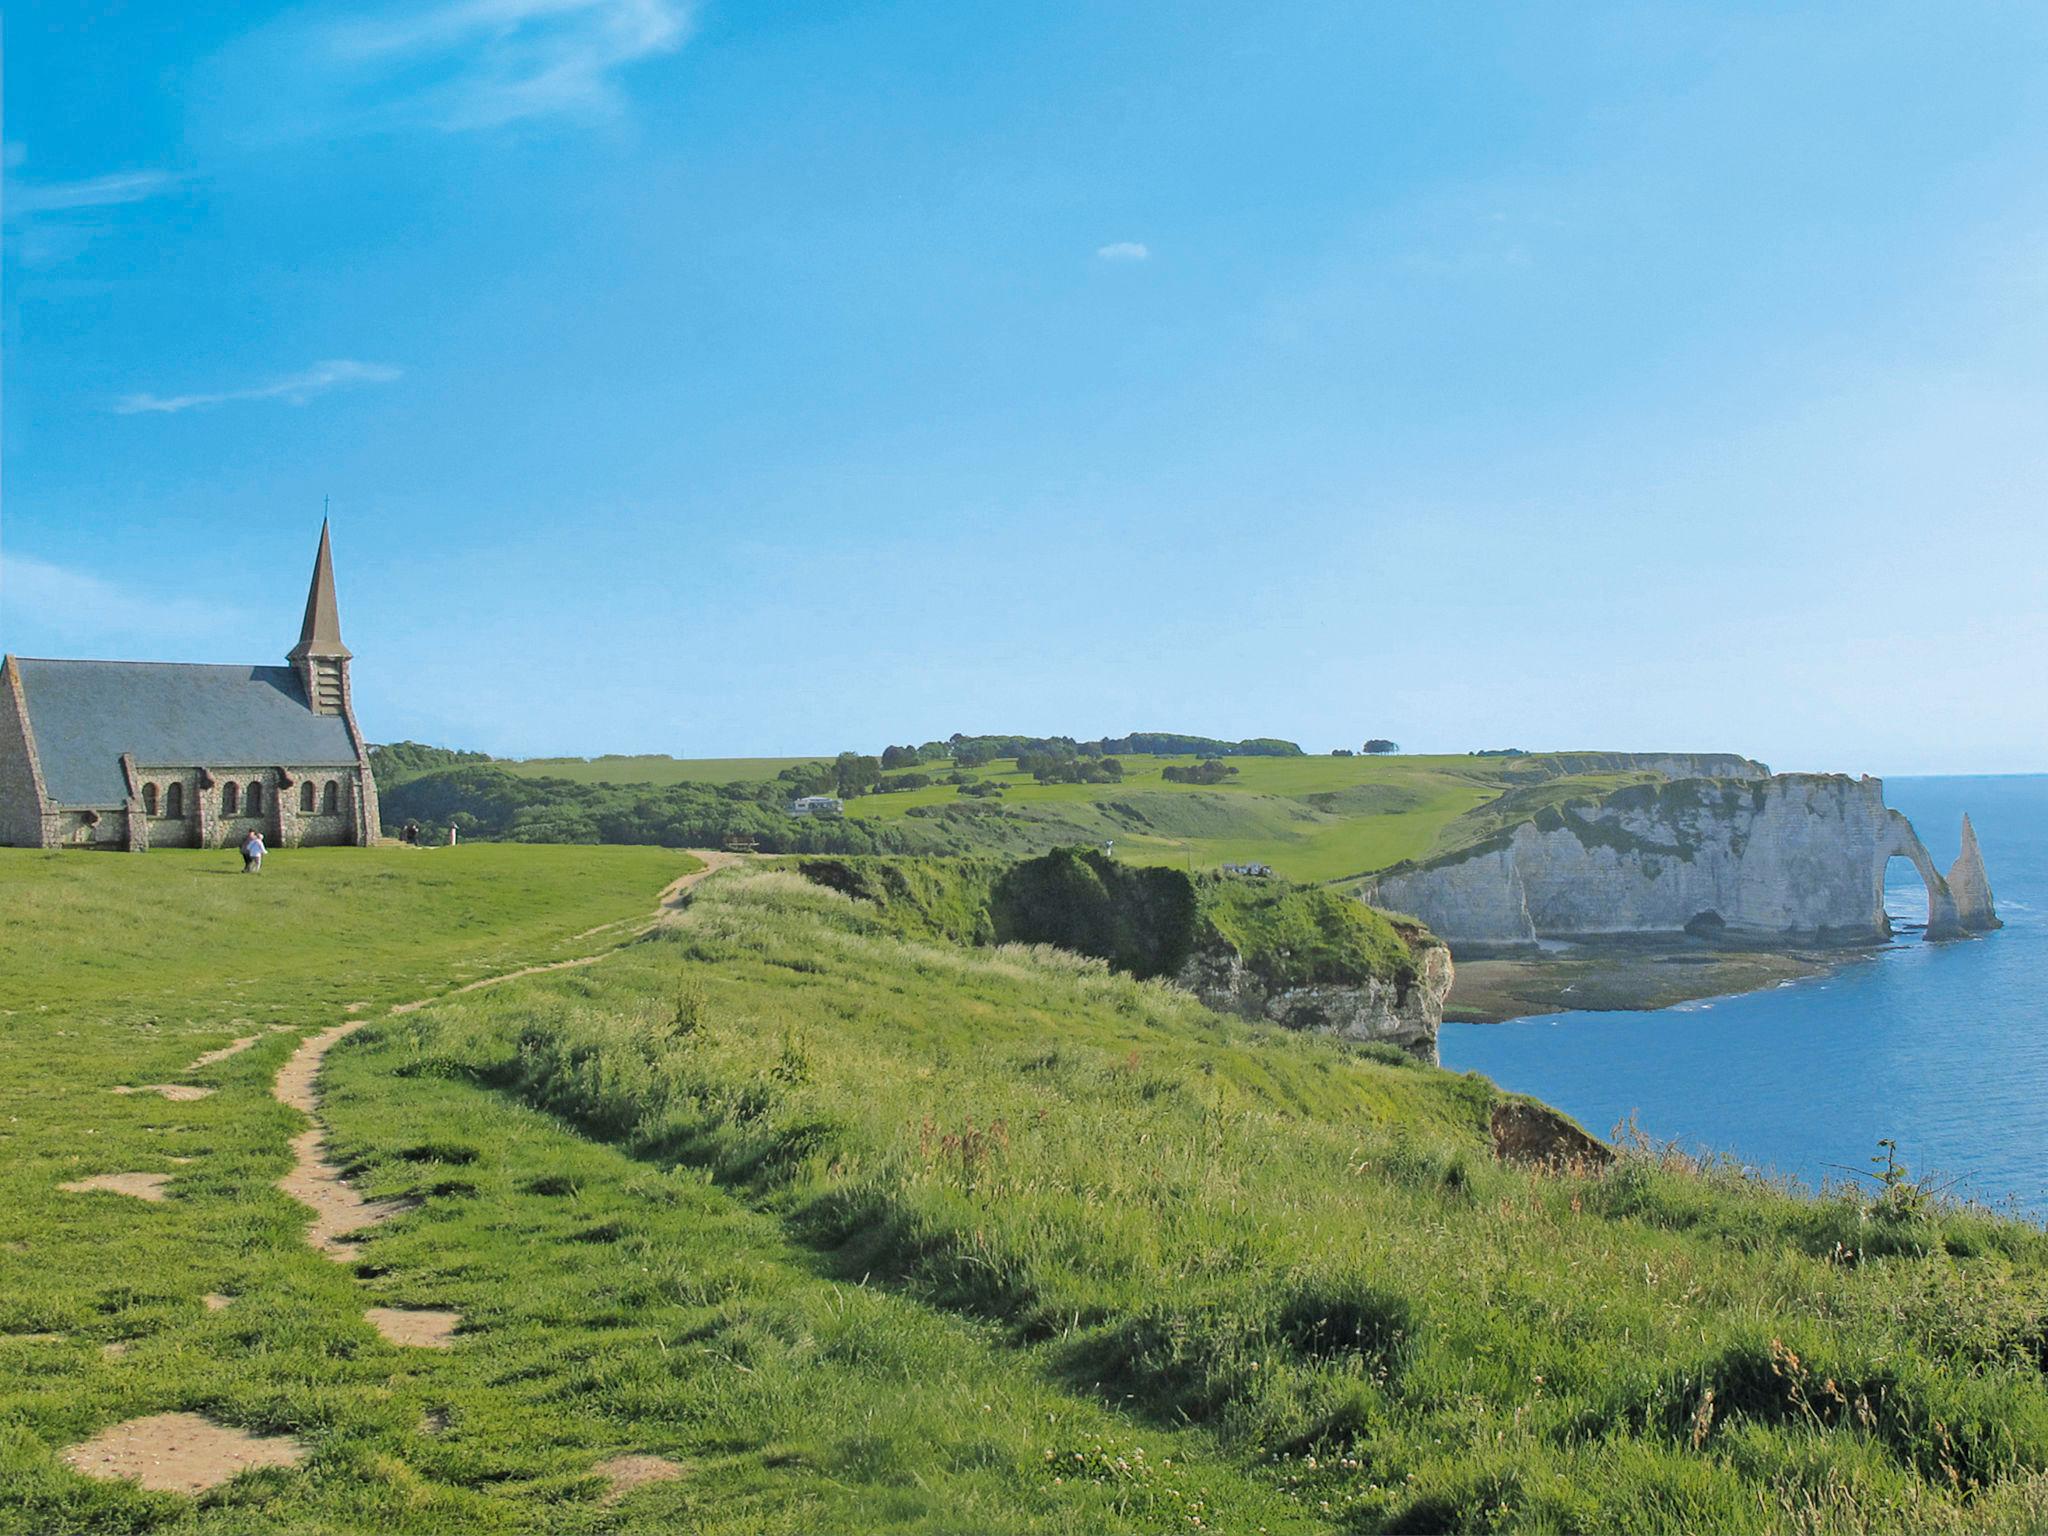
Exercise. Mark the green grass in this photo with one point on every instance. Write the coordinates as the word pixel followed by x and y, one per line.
pixel 1302 1251
pixel 1311 818
pixel 1291 935
pixel 614 1305
pixel 656 768
pixel 1314 819
pixel 881 1235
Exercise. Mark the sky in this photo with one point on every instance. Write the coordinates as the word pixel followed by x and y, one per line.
pixel 728 378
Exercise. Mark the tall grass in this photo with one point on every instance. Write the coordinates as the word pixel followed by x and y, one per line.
pixel 1300 1247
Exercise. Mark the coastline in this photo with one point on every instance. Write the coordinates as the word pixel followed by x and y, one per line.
pixel 1628 976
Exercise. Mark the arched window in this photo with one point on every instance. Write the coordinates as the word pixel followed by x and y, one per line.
pixel 149 799
pixel 330 799
pixel 252 799
pixel 230 799
pixel 174 801
pixel 306 796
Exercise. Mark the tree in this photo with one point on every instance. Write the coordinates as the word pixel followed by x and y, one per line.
pixel 899 757
pixel 854 774
pixel 1379 746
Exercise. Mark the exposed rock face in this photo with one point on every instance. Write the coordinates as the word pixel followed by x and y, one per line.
pixel 1539 1135
pixel 1971 887
pixel 1373 1010
pixel 1798 857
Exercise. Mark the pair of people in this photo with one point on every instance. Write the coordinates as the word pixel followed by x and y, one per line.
pixel 252 854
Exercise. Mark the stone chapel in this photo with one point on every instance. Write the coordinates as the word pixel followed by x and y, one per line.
pixel 151 754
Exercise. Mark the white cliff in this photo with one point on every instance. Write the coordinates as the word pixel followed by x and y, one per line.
pixel 1406 1012
pixel 1798 857
pixel 1971 887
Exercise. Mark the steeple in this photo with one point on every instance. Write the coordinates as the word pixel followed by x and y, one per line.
pixel 320 658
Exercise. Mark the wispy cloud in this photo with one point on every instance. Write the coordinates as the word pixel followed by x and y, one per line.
pixel 298 388
pixel 43 603
pixel 1124 250
pixel 455 66
pixel 28 199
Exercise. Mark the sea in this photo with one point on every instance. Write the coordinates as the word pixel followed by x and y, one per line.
pixel 1941 1048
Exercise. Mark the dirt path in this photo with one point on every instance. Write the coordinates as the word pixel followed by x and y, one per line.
pixel 315 1181
pixel 188 1453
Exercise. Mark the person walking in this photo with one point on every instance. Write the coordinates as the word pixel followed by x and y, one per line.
pixel 252 854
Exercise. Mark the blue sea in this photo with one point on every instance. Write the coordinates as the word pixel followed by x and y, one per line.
pixel 1942 1047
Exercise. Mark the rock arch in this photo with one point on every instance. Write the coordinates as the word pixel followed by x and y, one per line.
pixel 1900 841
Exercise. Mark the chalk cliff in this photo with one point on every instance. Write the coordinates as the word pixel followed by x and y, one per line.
pixel 1971 887
pixel 1400 1013
pixel 1799 857
pixel 1672 765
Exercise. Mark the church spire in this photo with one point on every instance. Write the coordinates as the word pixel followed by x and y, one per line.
pixel 320 658
pixel 320 635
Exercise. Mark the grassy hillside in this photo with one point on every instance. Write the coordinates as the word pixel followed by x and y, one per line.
pixel 655 768
pixel 1311 818
pixel 1144 920
pixel 1304 1252
pixel 872 1234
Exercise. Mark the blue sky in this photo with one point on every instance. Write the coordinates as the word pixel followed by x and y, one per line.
pixel 731 377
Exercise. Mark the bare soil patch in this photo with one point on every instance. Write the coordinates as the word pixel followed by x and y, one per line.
pixel 625 1473
pixel 216 1301
pixel 143 1186
pixel 179 1453
pixel 232 1048
pixel 1540 1136
pixel 418 1327
pixel 177 1093
pixel 338 1210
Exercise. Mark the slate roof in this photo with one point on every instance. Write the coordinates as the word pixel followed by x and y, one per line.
pixel 85 714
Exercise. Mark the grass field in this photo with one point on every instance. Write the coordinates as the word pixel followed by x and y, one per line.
pixel 1311 818
pixel 656 769
pixel 878 1236
pixel 1321 819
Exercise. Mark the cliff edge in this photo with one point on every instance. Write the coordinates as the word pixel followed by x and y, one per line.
pixel 1308 958
pixel 1790 857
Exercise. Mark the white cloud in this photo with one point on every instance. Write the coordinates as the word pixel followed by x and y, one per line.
pixel 28 199
pixel 297 388
pixel 41 602
pixel 1124 250
pixel 454 66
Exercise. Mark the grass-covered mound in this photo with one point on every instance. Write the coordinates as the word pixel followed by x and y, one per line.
pixel 1303 1249
pixel 1146 921
pixel 1291 935
pixel 1141 920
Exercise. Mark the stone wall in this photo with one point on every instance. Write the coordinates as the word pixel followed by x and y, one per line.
pixel 280 821
pixel 1794 856
pixel 21 810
